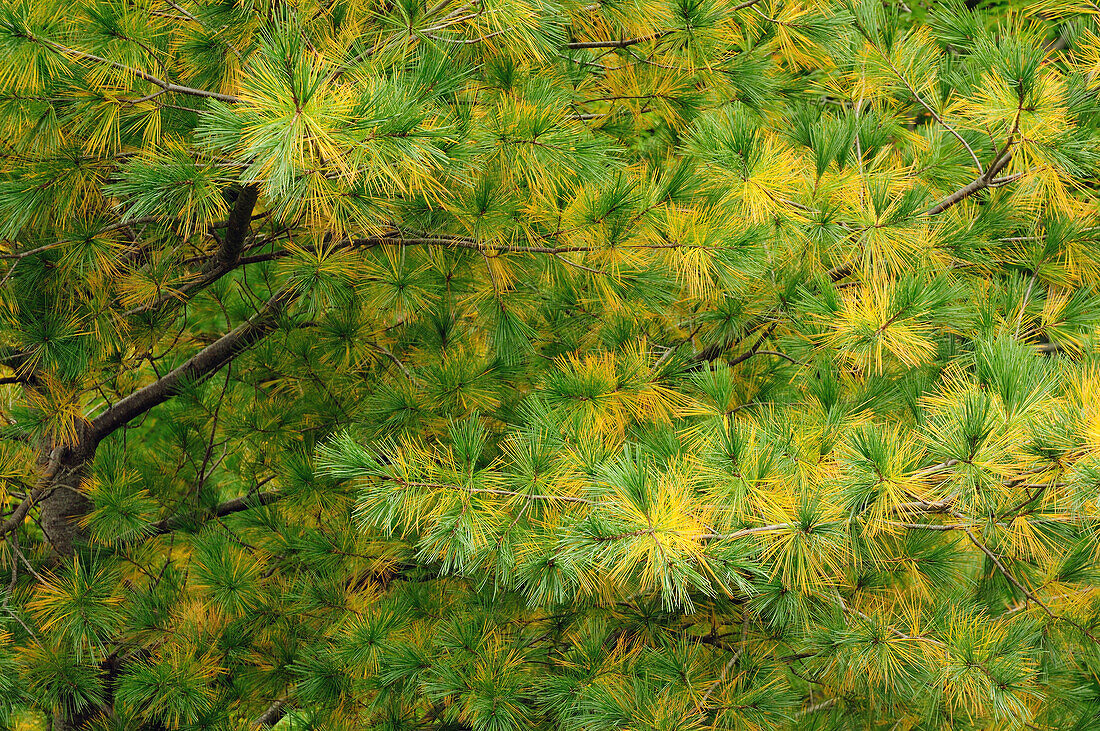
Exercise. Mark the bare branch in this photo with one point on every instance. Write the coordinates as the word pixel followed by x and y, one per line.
pixel 487 491
pixel 45 483
pixel 237 226
pixel 927 106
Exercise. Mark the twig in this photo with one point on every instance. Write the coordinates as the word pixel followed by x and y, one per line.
pixel 486 490
pixel 1023 304
pixel 1026 592
pixel 781 355
pixel 166 85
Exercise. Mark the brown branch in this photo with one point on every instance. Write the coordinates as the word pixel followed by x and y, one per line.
pixel 745 532
pixel 937 467
pixel 672 350
pixel 396 238
pixel 486 491
pixel 987 179
pixel 237 226
pixel 237 505
pixel 620 536
pixel 935 115
pixel 756 346
pixel 976 185
pixel 624 43
pixel 194 286
pixel 273 714
pixel 840 271
pixel 712 351
pixel 1026 592
pixel 784 356
pixel 1007 574
pixel 156 81
pixel 31 252
pixel 45 484
pixel 225 260
pixel 200 366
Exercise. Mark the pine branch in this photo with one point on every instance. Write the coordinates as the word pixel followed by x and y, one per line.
pixel 784 356
pixel 745 532
pixel 987 179
pixel 45 484
pixel 624 43
pixel 273 714
pixel 236 505
pixel 237 226
pixel 1006 573
pixel 199 367
pixel 978 184
pixel 190 288
pixel 156 81
pixel 226 259
pixel 827 703
pixel 486 491
pixel 711 352
pixel 755 349
pixel 926 105
pixel 1026 592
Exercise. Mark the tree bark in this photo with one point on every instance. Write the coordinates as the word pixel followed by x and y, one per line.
pixel 237 226
pixel 63 507
pixel 272 715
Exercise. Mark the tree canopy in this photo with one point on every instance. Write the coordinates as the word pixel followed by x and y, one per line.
pixel 542 364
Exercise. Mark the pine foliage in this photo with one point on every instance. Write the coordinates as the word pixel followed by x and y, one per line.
pixel 535 364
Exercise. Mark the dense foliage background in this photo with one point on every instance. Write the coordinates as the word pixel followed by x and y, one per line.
pixel 535 364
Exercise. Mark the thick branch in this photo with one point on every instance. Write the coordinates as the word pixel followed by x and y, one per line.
pixel 200 366
pixel 45 483
pixel 272 715
pixel 226 258
pixel 237 226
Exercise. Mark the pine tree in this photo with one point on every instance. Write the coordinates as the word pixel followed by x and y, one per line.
pixel 538 364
